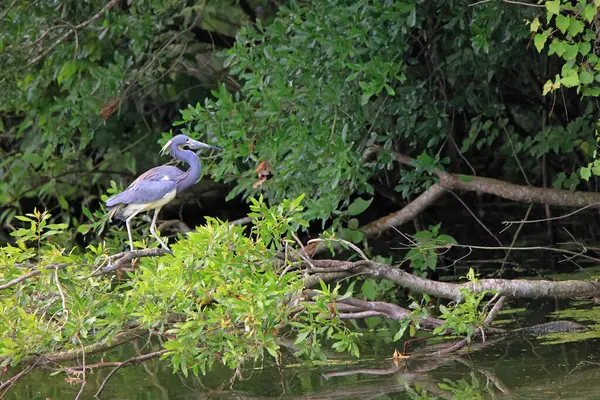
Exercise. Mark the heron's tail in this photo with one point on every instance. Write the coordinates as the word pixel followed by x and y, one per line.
pixel 116 211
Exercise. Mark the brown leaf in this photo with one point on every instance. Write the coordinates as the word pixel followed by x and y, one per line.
pixel 264 172
pixel 109 108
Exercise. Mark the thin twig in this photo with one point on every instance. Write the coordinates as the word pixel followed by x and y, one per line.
pixel 83 369
pixel 6 385
pixel 521 3
pixel 80 26
pixel 551 219
pixel 119 365
pixel 32 273
pixel 62 297
pixel 132 360
pixel 516 235
pixel 525 248
pixel 476 218
pixel 495 310
pixel 5 13
pixel 514 152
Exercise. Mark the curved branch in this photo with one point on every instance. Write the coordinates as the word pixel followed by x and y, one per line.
pixel 506 190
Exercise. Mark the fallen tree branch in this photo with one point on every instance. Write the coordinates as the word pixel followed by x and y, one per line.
pixel 70 355
pixel 506 190
pixel 388 310
pixel 395 219
pixel 5 386
pixel 517 288
pixel 450 181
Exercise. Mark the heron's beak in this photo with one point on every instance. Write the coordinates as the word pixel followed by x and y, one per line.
pixel 194 144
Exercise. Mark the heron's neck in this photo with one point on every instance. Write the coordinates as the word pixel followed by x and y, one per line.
pixel 195 168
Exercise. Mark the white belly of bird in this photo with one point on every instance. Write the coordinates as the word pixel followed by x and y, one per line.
pixel 133 209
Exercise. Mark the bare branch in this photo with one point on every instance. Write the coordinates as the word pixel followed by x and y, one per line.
pixel 517 288
pixel 119 339
pixel 32 273
pixel 118 260
pixel 130 361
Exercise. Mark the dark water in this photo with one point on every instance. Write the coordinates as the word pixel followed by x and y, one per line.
pixel 556 367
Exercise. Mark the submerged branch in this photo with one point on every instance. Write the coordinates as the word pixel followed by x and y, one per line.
pixel 70 355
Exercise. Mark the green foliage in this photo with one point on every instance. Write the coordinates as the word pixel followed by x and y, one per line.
pixel 465 390
pixel 570 30
pixel 311 86
pixel 427 243
pixel 220 298
pixel 322 321
pixel 461 318
pixel 412 321
pixel 85 90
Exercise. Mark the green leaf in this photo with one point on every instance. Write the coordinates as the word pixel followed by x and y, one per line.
pixel 63 202
pixel 302 337
pixel 571 79
pixel 355 236
pixel 586 77
pixel 535 25
pixel 557 47
pixel 571 51
pixel 83 228
pixel 400 332
pixel 369 289
pixel 589 12
pixel 562 22
pixel 57 226
pixel 465 178
pixel 358 206
pixel 353 223
pixel 553 7
pixel 575 27
pixel 540 40
pixel 21 232
pixel 364 98
pixel 66 71
pixel 585 48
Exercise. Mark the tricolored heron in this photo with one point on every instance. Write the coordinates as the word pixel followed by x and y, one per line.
pixel 158 186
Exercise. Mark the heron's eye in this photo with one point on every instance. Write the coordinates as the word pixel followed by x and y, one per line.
pixel 187 140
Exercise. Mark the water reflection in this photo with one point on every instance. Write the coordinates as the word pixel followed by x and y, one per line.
pixel 514 368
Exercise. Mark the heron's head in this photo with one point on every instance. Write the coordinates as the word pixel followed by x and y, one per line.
pixel 182 141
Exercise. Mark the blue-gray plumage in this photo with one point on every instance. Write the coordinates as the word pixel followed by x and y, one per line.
pixel 158 186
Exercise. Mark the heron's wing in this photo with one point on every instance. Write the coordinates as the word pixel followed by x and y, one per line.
pixel 142 192
pixel 162 173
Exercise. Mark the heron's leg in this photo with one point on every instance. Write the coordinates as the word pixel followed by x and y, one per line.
pixel 127 221
pixel 153 230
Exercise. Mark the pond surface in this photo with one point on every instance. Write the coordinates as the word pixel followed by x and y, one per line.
pixel 560 366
